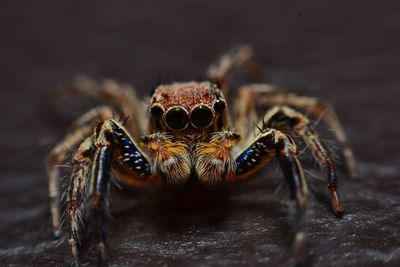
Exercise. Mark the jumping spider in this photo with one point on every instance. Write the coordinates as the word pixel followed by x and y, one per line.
pixel 188 137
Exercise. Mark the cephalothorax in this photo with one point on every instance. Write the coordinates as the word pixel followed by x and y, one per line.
pixel 185 132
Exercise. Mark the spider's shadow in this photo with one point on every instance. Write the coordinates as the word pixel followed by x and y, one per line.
pixel 176 207
pixel 169 208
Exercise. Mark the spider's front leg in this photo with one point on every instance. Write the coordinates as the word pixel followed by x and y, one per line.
pixel 267 145
pixel 110 147
pixel 80 129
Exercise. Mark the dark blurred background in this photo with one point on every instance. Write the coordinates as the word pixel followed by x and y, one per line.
pixel 345 52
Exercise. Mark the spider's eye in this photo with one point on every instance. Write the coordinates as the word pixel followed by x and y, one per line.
pixel 219 105
pixel 157 111
pixel 176 118
pixel 201 116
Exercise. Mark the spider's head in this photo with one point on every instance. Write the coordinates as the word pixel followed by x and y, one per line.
pixel 190 107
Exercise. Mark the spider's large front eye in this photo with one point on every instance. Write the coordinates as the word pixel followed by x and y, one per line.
pixel 157 111
pixel 176 118
pixel 201 116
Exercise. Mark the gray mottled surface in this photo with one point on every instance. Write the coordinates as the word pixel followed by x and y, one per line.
pixel 344 53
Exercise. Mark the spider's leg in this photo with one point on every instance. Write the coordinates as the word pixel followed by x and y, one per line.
pixel 81 128
pixel 99 189
pixel 78 198
pixel 281 116
pixel 267 95
pixel 121 94
pixel 114 147
pixel 113 150
pixel 77 195
pixel 267 145
pixel 220 71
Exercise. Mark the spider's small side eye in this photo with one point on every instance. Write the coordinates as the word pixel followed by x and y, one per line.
pixel 219 105
pixel 157 111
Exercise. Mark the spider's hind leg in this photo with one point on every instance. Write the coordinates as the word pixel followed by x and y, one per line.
pixel 281 116
pixel 240 57
pixel 123 95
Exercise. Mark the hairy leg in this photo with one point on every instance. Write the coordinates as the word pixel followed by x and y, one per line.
pixel 240 57
pixel 78 194
pixel 109 148
pixel 99 190
pixel 81 128
pixel 121 94
pixel 280 117
pixel 263 148
pixel 253 95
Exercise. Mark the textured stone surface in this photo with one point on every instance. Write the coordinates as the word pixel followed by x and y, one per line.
pixel 345 53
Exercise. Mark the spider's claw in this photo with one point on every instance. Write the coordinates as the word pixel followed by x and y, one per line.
pixel 73 253
pixel 299 247
pixel 339 213
pixel 336 205
pixel 299 242
pixel 338 210
pixel 102 254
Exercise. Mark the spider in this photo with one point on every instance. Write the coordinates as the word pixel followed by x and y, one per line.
pixel 185 133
